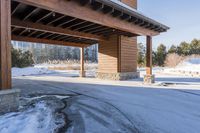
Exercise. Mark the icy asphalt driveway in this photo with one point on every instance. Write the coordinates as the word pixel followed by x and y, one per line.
pixel 98 106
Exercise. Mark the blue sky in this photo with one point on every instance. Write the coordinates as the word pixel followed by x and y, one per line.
pixel 182 16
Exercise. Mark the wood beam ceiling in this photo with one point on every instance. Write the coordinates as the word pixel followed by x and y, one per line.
pixel 56 30
pixel 71 8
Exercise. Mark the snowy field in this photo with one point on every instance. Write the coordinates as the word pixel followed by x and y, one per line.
pixel 30 71
pixel 189 67
pixel 171 105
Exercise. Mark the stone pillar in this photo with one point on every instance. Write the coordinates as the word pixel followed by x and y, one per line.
pixel 5 44
pixel 149 78
pixel 82 68
pixel 9 100
pixel 118 58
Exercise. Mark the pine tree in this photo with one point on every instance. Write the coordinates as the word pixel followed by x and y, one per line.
pixel 141 54
pixel 161 55
pixel 173 49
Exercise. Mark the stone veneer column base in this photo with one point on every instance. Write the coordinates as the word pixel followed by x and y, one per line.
pixel 149 79
pixel 9 100
pixel 118 76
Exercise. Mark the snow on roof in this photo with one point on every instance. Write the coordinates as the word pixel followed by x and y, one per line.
pixel 138 13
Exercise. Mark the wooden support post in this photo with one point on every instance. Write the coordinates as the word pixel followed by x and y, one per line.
pixel 5 44
pixel 149 56
pixel 149 78
pixel 82 69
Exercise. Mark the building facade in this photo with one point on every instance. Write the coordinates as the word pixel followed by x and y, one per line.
pixel 112 24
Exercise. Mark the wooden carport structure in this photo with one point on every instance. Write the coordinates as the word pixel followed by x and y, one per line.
pixel 80 23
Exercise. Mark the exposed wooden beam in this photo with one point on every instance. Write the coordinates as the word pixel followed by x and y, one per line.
pixel 51 34
pixel 99 30
pixel 33 11
pixel 14 29
pixel 62 38
pixel 32 33
pixel 55 36
pixel 45 16
pixel 22 32
pixel 56 30
pixel 39 35
pixel 73 9
pixel 77 24
pixel 92 28
pixel 86 26
pixel 57 19
pixel 19 4
pixel 47 41
pixel 66 22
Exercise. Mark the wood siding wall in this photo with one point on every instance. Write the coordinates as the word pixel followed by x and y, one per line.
pixel 108 55
pixel 118 54
pixel 128 54
pixel 132 3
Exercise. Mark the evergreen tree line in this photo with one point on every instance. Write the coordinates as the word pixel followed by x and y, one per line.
pixel 43 53
pixel 49 53
pixel 160 54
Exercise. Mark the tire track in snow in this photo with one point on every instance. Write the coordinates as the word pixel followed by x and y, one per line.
pixel 105 102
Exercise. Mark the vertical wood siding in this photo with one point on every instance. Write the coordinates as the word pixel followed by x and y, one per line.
pixel 118 54
pixel 128 54
pixel 108 55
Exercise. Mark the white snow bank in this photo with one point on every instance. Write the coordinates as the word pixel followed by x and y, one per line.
pixel 192 61
pixel 192 65
pixel 38 119
pixel 188 66
pixel 30 71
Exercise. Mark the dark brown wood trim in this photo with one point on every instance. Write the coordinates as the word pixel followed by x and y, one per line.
pixel 149 56
pixel 5 44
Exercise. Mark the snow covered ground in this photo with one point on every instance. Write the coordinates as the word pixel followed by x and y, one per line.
pixel 36 115
pixel 124 106
pixel 33 120
pixel 169 106
pixel 30 71
pixel 190 67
